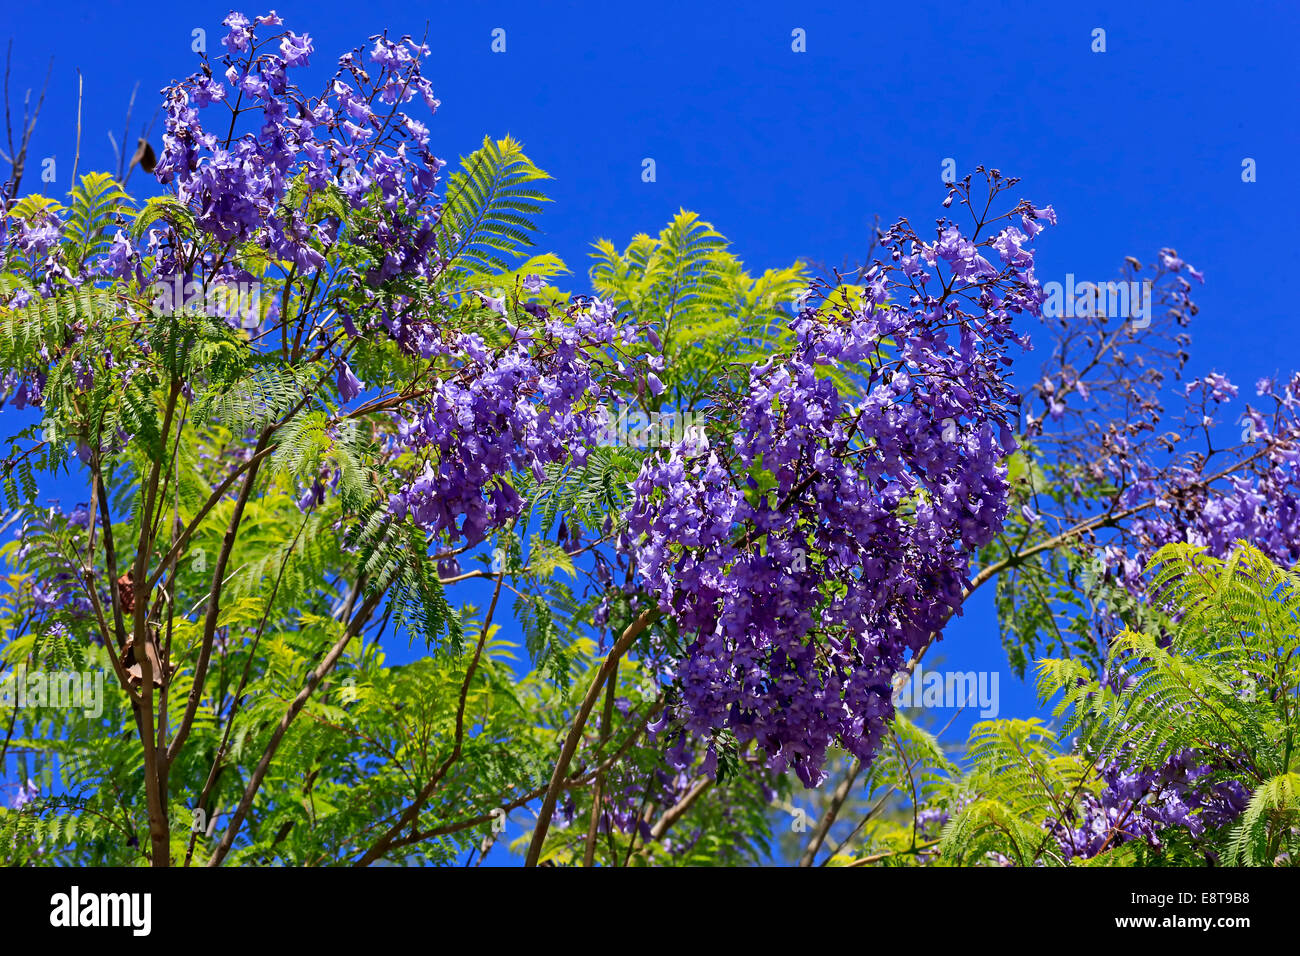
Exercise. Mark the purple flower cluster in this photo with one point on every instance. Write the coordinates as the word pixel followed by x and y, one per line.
pixel 351 142
pixel 1115 454
pixel 535 402
pixel 58 596
pixel 1259 502
pixel 807 559
pixel 629 792
pixel 1141 804
pixel 627 795
pixel 277 175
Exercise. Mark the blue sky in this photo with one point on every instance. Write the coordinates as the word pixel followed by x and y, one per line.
pixel 792 154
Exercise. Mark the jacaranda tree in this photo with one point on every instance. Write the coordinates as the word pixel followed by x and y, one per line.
pixel 327 404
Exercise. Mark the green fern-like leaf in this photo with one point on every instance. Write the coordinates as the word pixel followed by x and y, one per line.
pixel 491 208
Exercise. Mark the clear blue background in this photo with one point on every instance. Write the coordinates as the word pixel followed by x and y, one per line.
pixel 792 154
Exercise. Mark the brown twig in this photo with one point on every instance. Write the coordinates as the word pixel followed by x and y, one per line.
pixel 17 156
pixel 633 631
pixel 412 812
pixel 313 680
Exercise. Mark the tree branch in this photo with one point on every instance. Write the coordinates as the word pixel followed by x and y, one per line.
pixel 313 680
pixel 633 631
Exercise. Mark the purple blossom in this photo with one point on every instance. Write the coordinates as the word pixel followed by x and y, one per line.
pixel 349 385
pixel 296 49
pixel 876 495
pixel 28 792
